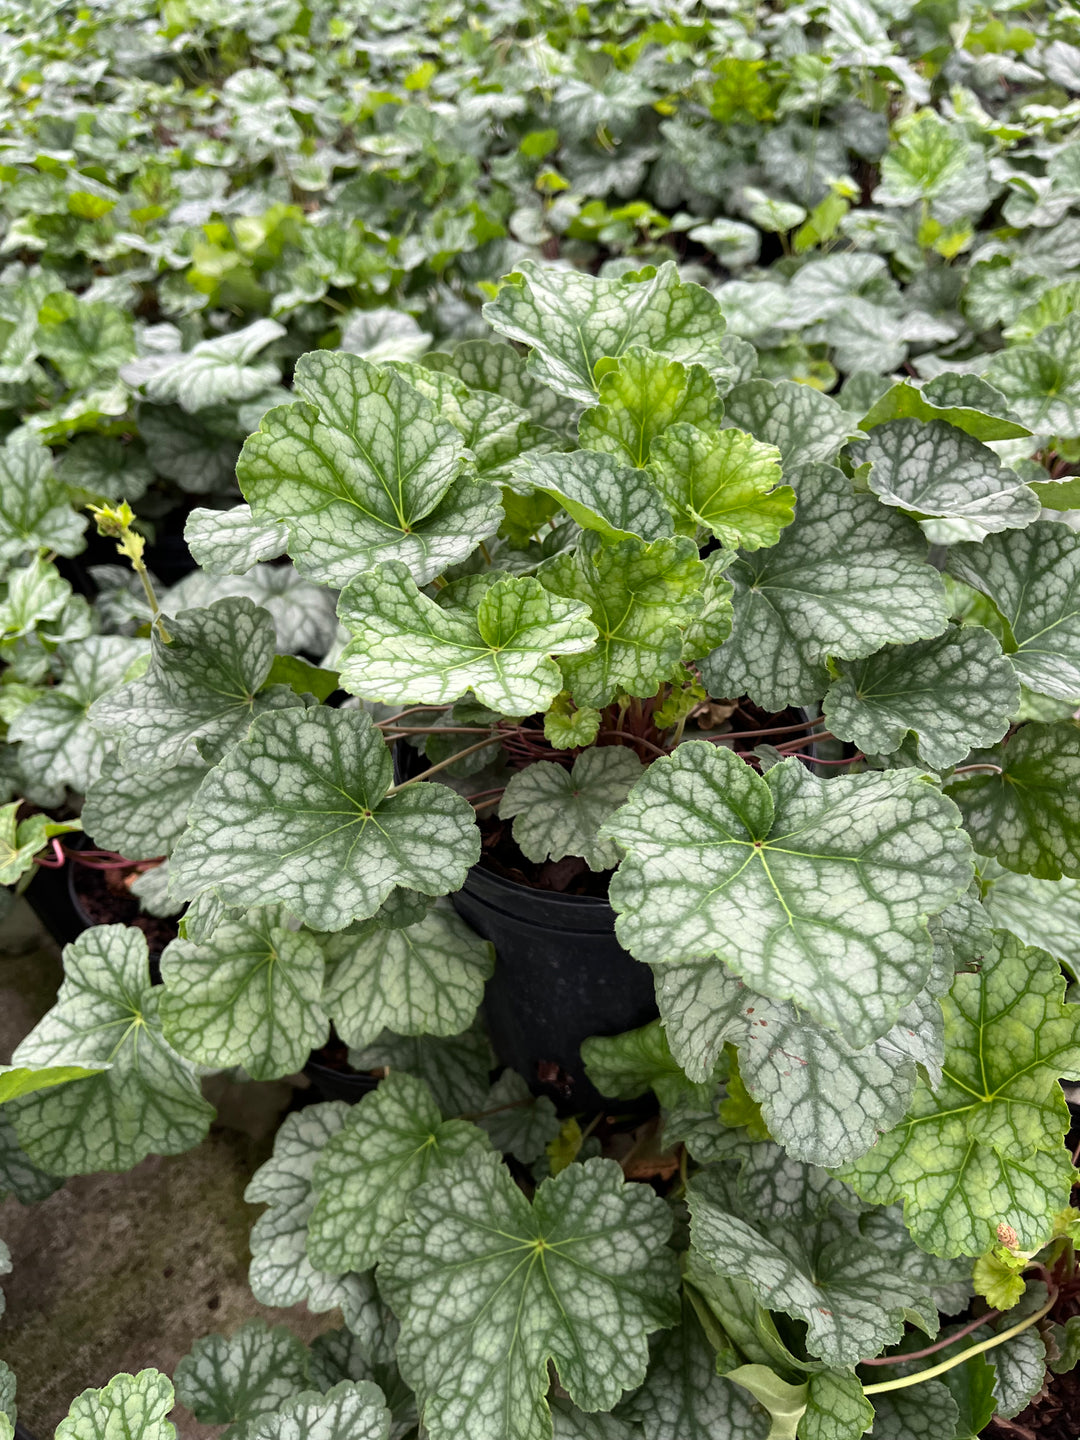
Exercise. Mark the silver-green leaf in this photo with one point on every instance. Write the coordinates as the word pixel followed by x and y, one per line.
pixel 250 996
pixel 804 887
pixel 147 1102
pixel 558 812
pixel 393 1140
pixel 955 692
pixel 426 978
pixel 490 1289
pixel 362 469
pixel 847 577
pixel 495 639
pixel 299 814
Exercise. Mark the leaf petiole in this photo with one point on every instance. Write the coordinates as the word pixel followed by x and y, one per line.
pixel 989 1344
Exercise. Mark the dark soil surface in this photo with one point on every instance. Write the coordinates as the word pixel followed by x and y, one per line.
pixel 106 900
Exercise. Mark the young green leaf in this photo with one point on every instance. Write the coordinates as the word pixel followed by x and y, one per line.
pixel 641 394
pixel 425 978
pixel 1022 804
pixel 640 599
pixel 393 1140
pixel 496 641
pixel 362 470
pixel 202 686
pixel 298 814
pixel 132 1406
pixel 984 1150
pixel 251 996
pixel 928 157
pixel 723 483
pixel 847 1290
pixel 491 1288
pixel 804 887
pixel 846 578
pixel 955 692
pixel 599 492
pixel 954 484
pixel 230 542
pixel 21 840
pixel 1034 581
pixel 281 1273
pixel 146 1102
pixel 571 320
pixel 16 1080
pixel 558 812
pixel 230 1379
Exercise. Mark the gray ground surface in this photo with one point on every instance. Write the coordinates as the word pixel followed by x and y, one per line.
pixel 118 1272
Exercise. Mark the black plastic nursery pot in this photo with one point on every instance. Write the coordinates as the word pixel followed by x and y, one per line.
pixel 333 1083
pixel 560 976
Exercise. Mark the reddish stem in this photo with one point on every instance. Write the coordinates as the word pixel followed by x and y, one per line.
pixel 627 738
pixel 967 1329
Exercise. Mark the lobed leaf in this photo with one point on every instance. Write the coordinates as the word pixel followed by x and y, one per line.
pixel 571 319
pixel 723 483
pixel 299 814
pixel 145 1100
pixel 424 978
pixel 802 886
pixel 984 1150
pixel 1033 580
pixel 844 579
pixel 250 996
pixel 362 470
pixel 392 1141
pixel 579 1278
pixel 495 639
pixel 954 692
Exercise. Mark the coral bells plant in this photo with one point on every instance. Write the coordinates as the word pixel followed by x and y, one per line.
pixel 791 680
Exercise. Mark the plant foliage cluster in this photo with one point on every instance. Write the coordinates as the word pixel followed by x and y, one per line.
pixel 643 439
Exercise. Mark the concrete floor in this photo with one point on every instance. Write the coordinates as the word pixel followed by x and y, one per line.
pixel 118 1272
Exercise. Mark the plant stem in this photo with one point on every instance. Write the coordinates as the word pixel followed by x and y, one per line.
pixel 412 710
pixel 937 1345
pixel 445 730
pixel 629 739
pixel 989 1344
pixel 971 769
pixel 442 764
pixel 769 730
pixel 492 794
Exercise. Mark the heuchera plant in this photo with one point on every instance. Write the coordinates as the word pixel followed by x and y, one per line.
pixel 862 1018
pixel 606 587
